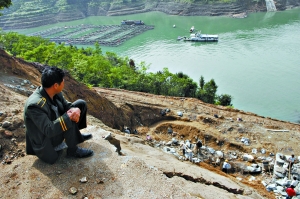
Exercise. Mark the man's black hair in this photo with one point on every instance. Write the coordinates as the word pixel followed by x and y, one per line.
pixel 52 75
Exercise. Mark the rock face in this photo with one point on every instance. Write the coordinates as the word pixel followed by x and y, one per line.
pixel 20 17
pixel 200 9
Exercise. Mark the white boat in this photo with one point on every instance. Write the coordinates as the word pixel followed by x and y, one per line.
pixel 199 37
pixel 192 29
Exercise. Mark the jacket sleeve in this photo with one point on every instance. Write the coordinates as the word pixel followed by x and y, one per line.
pixel 39 116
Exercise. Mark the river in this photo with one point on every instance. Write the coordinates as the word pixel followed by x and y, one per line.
pixel 256 60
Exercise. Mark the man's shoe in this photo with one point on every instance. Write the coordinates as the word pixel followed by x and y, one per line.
pixel 87 136
pixel 81 153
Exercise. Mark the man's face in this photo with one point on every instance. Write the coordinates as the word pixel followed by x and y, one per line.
pixel 60 87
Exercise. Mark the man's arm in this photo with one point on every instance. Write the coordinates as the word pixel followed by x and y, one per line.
pixel 39 119
pixel 72 112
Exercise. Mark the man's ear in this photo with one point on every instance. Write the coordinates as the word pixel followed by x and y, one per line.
pixel 55 85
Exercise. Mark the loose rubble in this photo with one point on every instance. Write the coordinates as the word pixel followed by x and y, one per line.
pixel 271 169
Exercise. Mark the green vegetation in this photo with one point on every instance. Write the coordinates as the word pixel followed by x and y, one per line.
pixel 4 4
pixel 108 70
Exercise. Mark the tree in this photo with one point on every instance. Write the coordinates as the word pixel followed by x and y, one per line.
pixel 132 64
pixel 4 4
pixel 208 93
pixel 201 82
pixel 183 85
pixel 210 90
pixel 225 100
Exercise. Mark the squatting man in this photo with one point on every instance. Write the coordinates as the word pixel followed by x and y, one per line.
pixel 50 120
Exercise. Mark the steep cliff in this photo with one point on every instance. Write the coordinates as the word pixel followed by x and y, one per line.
pixel 33 14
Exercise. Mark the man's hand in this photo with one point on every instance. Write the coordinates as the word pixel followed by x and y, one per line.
pixel 74 114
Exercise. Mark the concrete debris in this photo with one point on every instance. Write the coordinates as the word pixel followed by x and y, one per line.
pixel 219 154
pixel 175 141
pixel 251 178
pixel 254 151
pixel 246 141
pixel 254 168
pixel 247 157
pixel 179 113
pixel 283 176
pixel 211 150
pixel 169 143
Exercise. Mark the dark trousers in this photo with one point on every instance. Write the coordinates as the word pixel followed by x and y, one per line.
pixel 225 170
pixel 291 165
pixel 73 136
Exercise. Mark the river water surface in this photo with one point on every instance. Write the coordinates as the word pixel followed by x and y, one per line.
pixel 257 59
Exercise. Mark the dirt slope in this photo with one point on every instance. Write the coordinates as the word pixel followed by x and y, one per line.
pixel 143 171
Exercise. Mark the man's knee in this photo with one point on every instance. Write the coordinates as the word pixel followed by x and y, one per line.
pixel 80 103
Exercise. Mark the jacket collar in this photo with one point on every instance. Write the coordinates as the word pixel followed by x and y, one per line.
pixel 45 95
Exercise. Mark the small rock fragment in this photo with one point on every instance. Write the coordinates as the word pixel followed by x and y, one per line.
pixel 73 190
pixel 83 180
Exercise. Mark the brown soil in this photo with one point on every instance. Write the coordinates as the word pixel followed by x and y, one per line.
pixel 143 169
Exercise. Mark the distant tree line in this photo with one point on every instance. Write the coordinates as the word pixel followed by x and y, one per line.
pixel 93 68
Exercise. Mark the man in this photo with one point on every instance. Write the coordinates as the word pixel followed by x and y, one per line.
pixel 226 166
pixel 50 119
pixel 291 161
pixel 170 130
pixel 294 182
pixel 148 137
pixel 290 192
pixel 189 154
pixel 198 147
pixel 183 148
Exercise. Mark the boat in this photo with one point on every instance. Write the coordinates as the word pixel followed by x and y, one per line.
pixel 192 29
pixel 199 37
pixel 132 22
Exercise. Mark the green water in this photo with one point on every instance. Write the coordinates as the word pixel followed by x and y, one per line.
pixel 256 59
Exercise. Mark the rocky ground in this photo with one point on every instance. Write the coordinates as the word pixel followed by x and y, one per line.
pixel 144 170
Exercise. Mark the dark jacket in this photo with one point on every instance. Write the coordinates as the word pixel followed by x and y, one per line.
pixel 42 123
